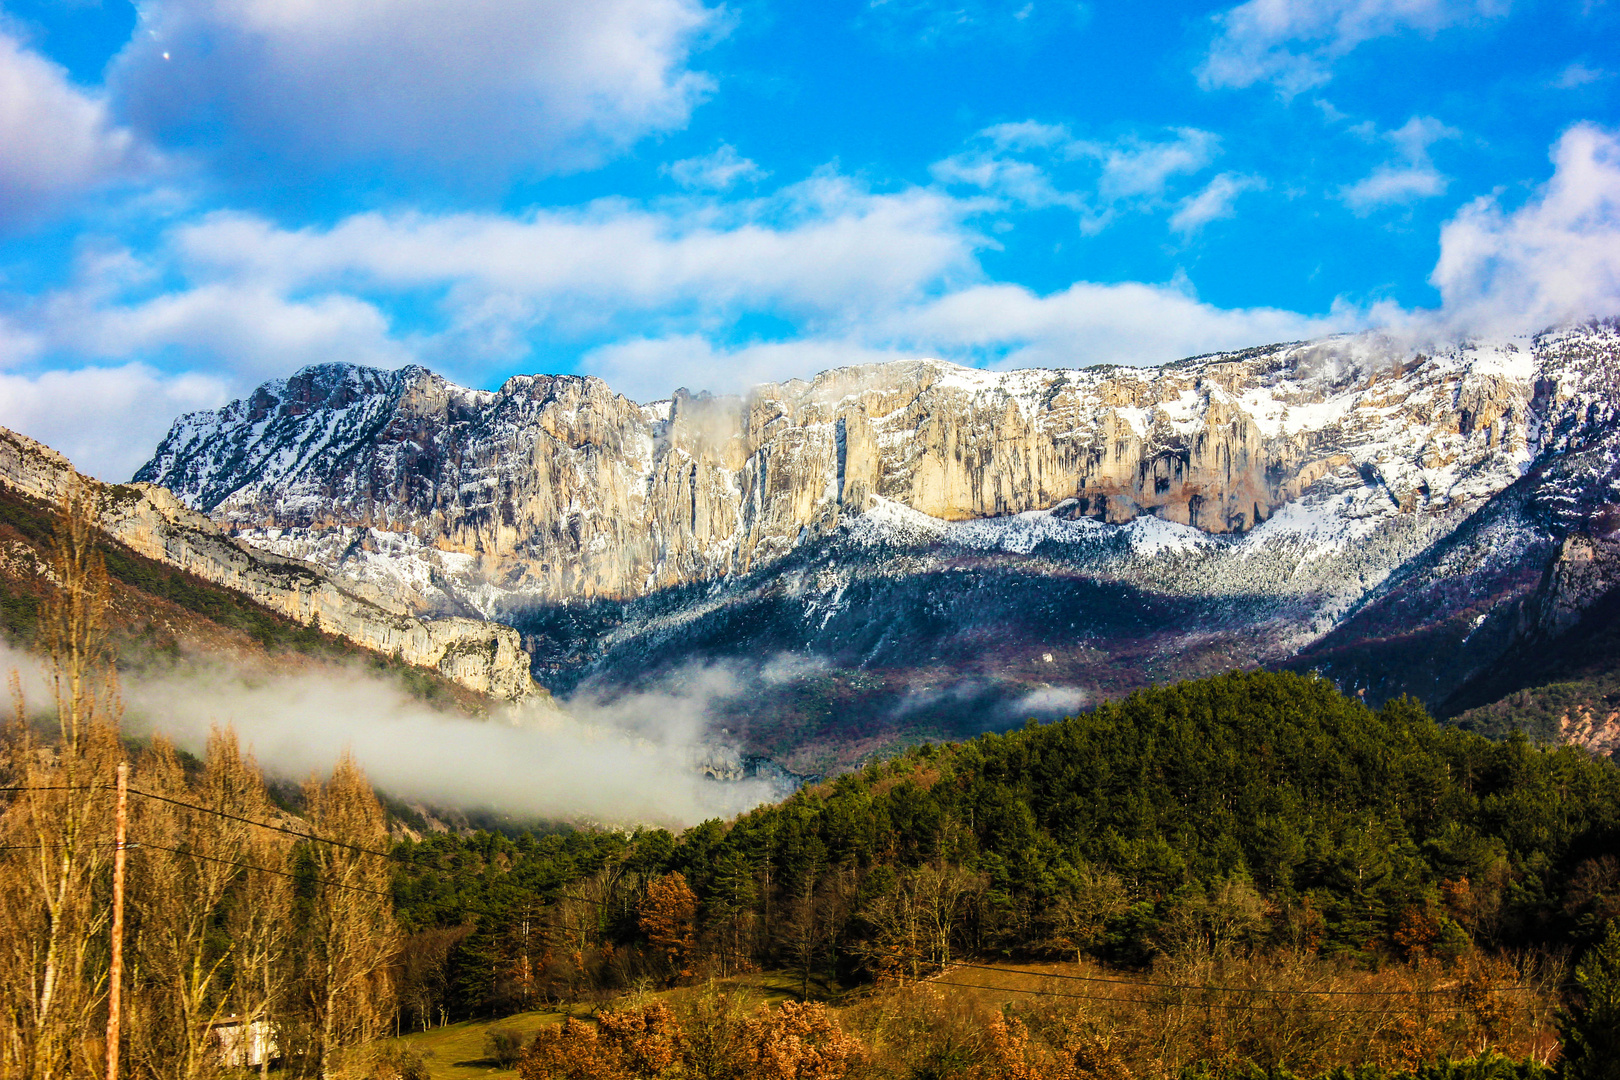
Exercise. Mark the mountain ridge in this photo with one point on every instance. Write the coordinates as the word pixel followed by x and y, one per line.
pixel 151 522
pixel 1356 505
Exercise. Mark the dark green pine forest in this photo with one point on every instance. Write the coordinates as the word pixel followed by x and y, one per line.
pixel 1246 811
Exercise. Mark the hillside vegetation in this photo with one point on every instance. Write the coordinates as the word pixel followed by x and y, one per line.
pixel 1236 814
pixel 158 612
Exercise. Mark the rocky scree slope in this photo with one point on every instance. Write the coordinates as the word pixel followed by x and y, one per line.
pixel 480 656
pixel 1051 534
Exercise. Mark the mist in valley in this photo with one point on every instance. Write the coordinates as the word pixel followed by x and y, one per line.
pixel 647 757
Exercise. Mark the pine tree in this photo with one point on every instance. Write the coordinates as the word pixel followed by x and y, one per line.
pixel 1591 1028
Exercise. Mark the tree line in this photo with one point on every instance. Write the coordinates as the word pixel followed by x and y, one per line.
pixel 1246 810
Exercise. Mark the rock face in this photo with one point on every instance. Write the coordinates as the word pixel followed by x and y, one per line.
pixel 918 547
pixel 556 488
pixel 482 656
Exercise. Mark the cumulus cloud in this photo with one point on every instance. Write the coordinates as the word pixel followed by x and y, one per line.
pixel 1412 176
pixel 719 171
pixel 1555 258
pixel 821 249
pixel 1218 200
pixel 250 331
pixel 1004 326
pixel 105 419
pixel 1294 44
pixel 655 295
pixel 56 140
pixel 542 85
pixel 1137 167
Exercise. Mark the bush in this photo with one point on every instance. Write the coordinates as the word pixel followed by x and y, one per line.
pixel 398 1063
pixel 503 1046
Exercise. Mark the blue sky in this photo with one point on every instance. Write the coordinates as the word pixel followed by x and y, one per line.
pixel 197 195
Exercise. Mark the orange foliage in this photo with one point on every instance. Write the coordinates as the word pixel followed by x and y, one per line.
pixel 668 916
pixel 797 1042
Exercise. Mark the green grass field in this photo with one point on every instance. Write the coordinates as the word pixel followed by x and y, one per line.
pixel 456 1051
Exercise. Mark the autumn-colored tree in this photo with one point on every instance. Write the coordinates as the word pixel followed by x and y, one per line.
pixel 668 916
pixel 190 879
pixel 57 829
pixel 350 936
pixel 1076 919
pixel 799 1041
pixel 643 1042
pixel 572 1050
pixel 915 920
pixel 647 1039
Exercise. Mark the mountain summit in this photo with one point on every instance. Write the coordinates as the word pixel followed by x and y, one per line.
pixel 1035 531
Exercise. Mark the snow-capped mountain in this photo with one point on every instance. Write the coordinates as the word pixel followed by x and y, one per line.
pixel 1057 532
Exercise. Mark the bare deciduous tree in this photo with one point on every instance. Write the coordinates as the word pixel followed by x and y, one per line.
pixel 351 936
pixel 58 830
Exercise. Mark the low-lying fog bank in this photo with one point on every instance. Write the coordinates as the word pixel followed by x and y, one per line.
pixel 642 758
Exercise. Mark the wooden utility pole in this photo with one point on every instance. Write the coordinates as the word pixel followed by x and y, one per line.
pixel 115 976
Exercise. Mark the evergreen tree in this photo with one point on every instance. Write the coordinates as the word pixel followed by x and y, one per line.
pixel 1591 1027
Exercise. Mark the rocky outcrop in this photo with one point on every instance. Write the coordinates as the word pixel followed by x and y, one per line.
pixel 556 488
pixel 481 656
pixel 1585 570
pixel 1597 733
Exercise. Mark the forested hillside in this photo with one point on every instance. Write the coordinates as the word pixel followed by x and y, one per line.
pixel 1245 810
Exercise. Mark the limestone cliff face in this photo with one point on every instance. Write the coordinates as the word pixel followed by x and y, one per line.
pixel 482 656
pixel 555 487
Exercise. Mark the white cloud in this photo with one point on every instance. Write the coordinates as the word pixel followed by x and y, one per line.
pixel 1139 167
pixel 249 331
pixel 1034 165
pixel 1392 184
pixel 1090 323
pixel 56 140
pixel 1218 200
pixel 823 248
pixel 649 369
pixel 1023 183
pixel 1554 259
pixel 105 419
pixel 1579 74
pixel 470 292
pixel 718 171
pixel 635 759
pixel 1294 43
pixel 547 85
pixel 1413 176
pixel 910 23
pixel 1006 326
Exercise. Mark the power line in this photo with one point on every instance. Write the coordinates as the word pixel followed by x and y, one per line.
pixel 1233 1005
pixel 1201 986
pixel 311 837
pixel 260 869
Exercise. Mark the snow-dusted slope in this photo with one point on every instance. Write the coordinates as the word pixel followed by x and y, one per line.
pixel 555 487
pixel 1358 504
